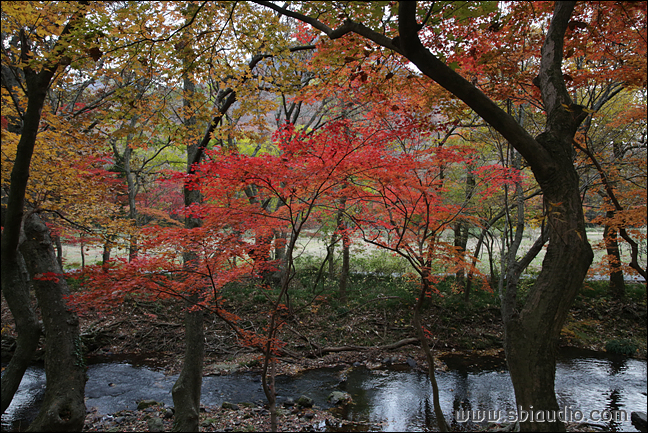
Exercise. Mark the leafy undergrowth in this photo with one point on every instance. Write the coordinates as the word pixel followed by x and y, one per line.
pixel 598 322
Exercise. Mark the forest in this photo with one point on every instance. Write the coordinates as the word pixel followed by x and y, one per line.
pixel 308 179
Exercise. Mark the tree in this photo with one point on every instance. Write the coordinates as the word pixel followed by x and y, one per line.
pixel 33 57
pixel 531 332
pixel 208 79
pixel 303 175
pixel 613 145
pixel 307 173
pixel 604 59
pixel 404 204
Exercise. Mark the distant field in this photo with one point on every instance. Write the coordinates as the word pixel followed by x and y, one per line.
pixel 315 246
pixel 72 255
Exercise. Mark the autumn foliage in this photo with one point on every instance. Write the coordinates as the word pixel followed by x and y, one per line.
pixel 208 139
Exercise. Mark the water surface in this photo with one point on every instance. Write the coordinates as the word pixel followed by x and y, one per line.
pixel 399 399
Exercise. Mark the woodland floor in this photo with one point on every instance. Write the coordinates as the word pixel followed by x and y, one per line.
pixel 152 331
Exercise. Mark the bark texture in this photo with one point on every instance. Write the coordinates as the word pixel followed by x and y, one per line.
pixel 27 326
pixel 186 391
pixel 63 407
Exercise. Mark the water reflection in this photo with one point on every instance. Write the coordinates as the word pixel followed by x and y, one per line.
pixel 24 408
pixel 400 399
pixel 602 383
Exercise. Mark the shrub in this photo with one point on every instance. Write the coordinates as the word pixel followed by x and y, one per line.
pixel 379 263
pixel 623 347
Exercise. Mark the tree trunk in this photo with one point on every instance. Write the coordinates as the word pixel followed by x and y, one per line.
pixel 82 252
pixel 341 230
pixel 462 231
pixel 133 186
pixel 469 279
pixel 63 407
pixel 14 288
pixel 105 256
pixel 492 274
pixel 269 388
pixel 531 334
pixel 59 251
pixel 330 249
pixel 429 354
pixel 269 347
pixel 27 326
pixel 186 390
pixel 460 242
pixel 281 239
pixel 190 381
pixel 344 272
pixel 616 288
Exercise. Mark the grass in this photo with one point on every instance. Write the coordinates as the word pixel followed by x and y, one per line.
pixel 92 255
pixel 591 290
pixel 384 276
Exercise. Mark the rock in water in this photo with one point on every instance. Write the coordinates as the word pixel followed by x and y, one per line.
pixel 304 401
pixel 338 397
pixel 143 404
pixel 639 420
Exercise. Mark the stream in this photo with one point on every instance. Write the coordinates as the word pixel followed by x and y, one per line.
pixel 398 398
